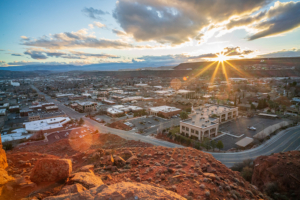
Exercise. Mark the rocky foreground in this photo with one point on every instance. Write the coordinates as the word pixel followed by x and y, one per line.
pixel 134 171
pixel 278 175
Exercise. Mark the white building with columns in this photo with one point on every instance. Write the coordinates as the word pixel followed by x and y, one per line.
pixel 204 121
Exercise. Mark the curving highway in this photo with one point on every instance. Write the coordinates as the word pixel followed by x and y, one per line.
pixel 286 140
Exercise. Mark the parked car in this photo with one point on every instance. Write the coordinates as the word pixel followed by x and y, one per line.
pixel 252 128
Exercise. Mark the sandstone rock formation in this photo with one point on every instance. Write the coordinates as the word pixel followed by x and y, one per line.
pixel 4 177
pixel 47 170
pixel 87 179
pixel 121 191
pixel 3 161
pixel 68 189
pixel 278 173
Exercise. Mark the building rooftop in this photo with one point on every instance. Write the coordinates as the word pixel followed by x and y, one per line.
pixel 87 103
pixel 203 116
pixel 46 124
pixel 164 109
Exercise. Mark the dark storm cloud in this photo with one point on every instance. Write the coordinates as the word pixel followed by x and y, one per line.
pixel 94 13
pixel 176 21
pixel 281 18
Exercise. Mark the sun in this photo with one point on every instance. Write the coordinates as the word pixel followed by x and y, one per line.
pixel 221 57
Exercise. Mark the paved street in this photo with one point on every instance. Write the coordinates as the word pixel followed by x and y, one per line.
pixel 284 141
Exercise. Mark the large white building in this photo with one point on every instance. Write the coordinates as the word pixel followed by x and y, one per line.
pixel 46 125
pixel 204 120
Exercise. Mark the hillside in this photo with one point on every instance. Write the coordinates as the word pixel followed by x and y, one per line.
pixel 176 173
pixel 278 175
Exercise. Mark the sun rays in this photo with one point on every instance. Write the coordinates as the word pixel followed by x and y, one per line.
pixel 221 63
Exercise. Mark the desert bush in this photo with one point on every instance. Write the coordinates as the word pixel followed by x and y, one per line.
pixel 271 188
pixel 239 166
pixel 247 173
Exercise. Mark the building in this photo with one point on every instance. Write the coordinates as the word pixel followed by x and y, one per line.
pixel 46 125
pixel 33 116
pixel 86 106
pixel 119 110
pixel 134 98
pixel 205 120
pixel 14 108
pixel 165 111
pixel 16 84
pixel 2 112
pixel 51 108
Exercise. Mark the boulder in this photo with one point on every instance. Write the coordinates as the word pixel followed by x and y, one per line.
pixel 133 160
pixel 68 189
pixel 121 191
pixel 50 169
pixel 87 168
pixel 4 177
pixel 3 161
pixel 87 179
pixel 119 162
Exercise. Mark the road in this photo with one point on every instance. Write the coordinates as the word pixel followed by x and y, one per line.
pixel 286 140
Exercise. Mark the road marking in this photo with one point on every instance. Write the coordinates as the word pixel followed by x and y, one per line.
pixel 290 144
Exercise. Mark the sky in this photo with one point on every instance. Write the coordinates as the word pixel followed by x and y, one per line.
pixel 147 32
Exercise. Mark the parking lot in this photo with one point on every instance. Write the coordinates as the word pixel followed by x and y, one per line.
pixel 146 122
pixel 240 127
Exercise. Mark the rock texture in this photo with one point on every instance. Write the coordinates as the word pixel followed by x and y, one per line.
pixel 68 189
pixel 87 179
pixel 47 170
pixel 4 177
pixel 121 191
pixel 280 170
pixel 3 161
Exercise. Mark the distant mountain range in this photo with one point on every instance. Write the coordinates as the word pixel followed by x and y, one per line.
pixel 93 67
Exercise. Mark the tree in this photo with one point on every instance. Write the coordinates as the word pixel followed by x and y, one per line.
pixel 81 121
pixel 220 145
pixel 213 144
pixel 184 115
pixel 206 143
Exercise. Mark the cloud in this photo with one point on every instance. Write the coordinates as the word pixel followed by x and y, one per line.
pixel 79 39
pixel 97 24
pixel 94 13
pixel 36 55
pixel 228 51
pixel 283 53
pixel 281 18
pixel 15 54
pixel 119 33
pixel 177 21
pixel 2 50
pixel 245 21
pixel 24 38
pixel 1 61
pixel 41 54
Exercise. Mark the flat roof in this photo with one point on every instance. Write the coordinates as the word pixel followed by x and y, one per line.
pixel 200 117
pixel 164 109
pixel 244 142
pixel 86 103
pixel 46 124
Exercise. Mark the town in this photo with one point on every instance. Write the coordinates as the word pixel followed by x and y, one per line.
pixel 150 100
